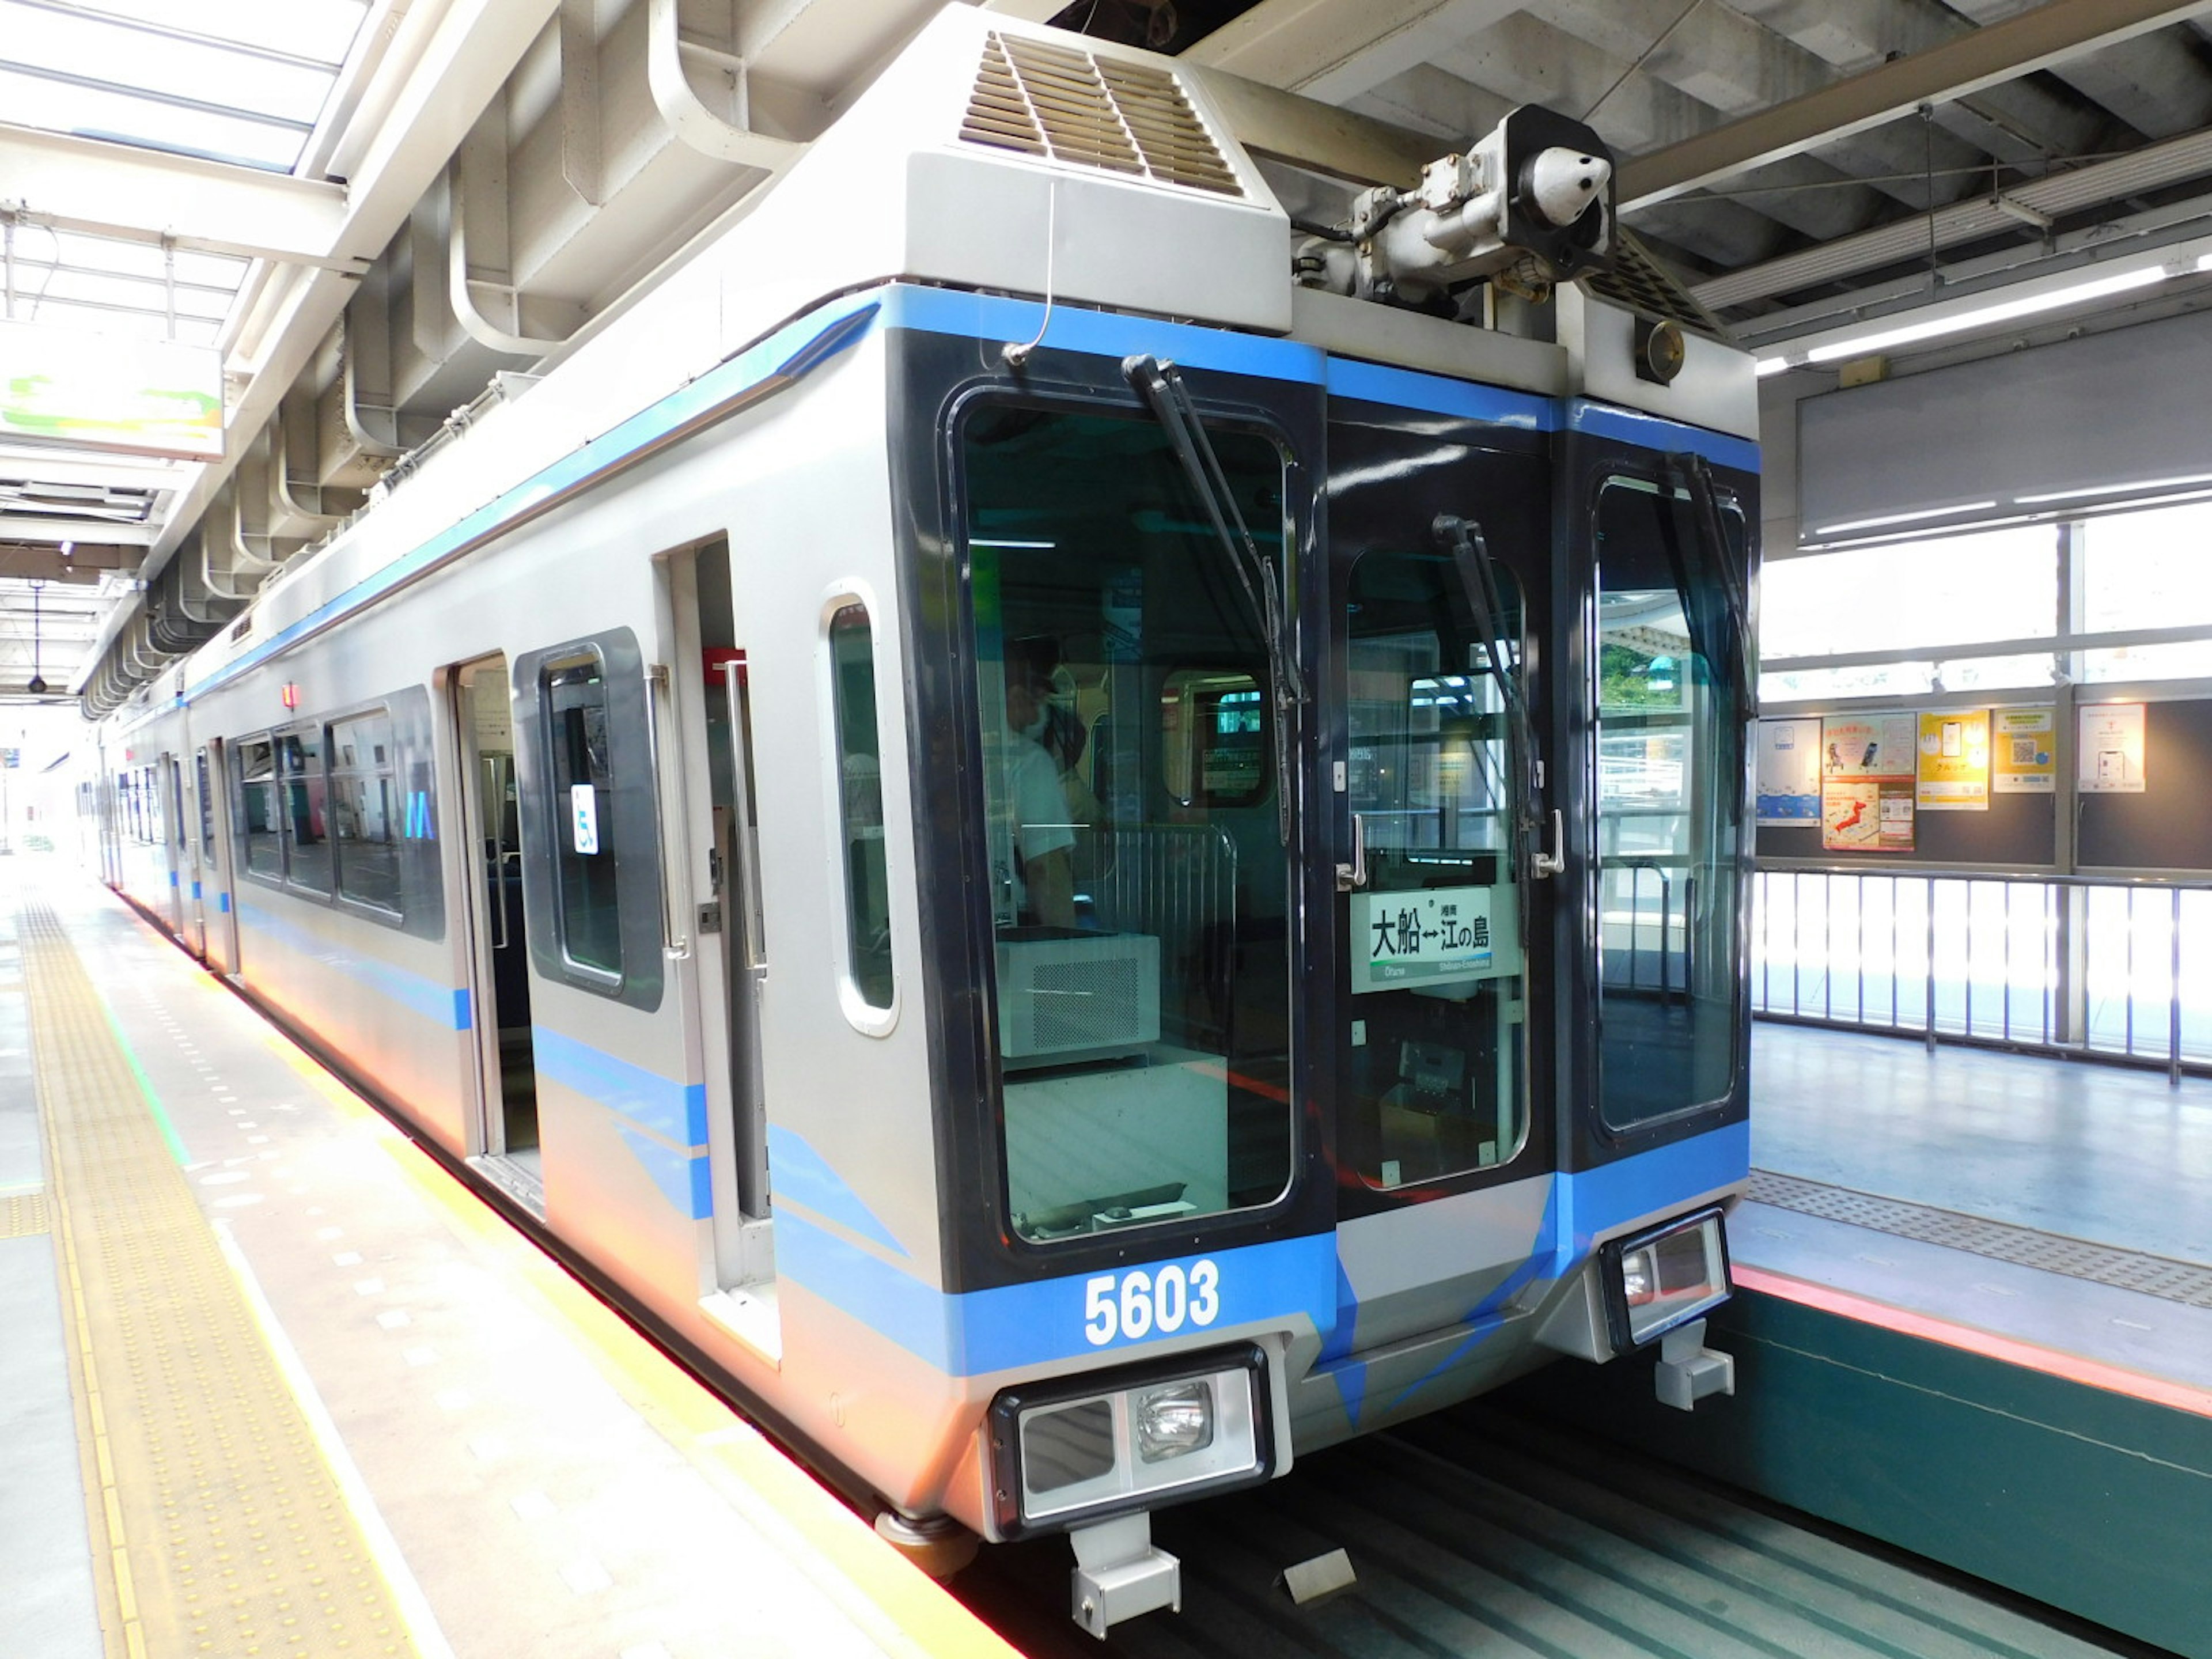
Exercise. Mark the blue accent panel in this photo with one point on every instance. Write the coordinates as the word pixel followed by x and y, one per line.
pixel 1351 1386
pixel 172 877
pixel 676 1112
pixel 435 1001
pixel 1630 426
pixel 803 1175
pixel 768 360
pixel 1017 1326
pixel 1107 334
pixel 1649 1183
pixel 1409 389
pixel 196 890
pixel 223 902
pixel 463 1009
pixel 683 1177
pixel 1347 1319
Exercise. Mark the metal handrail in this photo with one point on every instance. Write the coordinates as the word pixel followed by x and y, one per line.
pixel 2108 950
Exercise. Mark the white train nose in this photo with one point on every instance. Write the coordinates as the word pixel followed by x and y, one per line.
pixel 1565 182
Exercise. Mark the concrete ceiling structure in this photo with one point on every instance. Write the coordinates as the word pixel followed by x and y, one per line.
pixel 382 212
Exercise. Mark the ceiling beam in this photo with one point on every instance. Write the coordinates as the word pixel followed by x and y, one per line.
pixel 1340 143
pixel 141 195
pixel 2050 34
pixel 1335 50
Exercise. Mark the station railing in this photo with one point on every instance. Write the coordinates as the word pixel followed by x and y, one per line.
pixel 2108 969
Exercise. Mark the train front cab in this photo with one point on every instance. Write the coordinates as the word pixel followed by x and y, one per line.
pixel 1264 1076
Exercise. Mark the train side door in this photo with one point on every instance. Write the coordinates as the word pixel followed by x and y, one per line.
pixel 506 1134
pixel 174 842
pixel 1440 551
pixel 192 881
pixel 219 938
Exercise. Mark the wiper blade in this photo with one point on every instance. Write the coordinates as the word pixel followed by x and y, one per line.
pixel 1463 539
pixel 1169 398
pixel 1712 534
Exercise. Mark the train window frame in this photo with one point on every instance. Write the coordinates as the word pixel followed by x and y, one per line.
pixel 387 771
pixel 1193 752
pixel 244 784
pixel 626 821
pixel 291 741
pixel 569 846
pixel 841 794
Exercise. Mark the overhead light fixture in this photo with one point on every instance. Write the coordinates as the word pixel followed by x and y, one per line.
pixel 2085 493
pixel 1902 517
pixel 2004 311
pixel 1767 366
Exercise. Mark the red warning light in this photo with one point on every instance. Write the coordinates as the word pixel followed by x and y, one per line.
pixel 290 696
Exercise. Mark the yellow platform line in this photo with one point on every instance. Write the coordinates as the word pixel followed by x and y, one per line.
pixel 897 1605
pixel 217 1526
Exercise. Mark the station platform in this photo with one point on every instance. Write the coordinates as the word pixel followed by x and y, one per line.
pixel 274 1384
pixel 1973 1320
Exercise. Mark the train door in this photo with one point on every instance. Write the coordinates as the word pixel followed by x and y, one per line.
pixel 192 882
pixel 219 937
pixel 171 821
pixel 1441 562
pixel 732 960
pixel 499 960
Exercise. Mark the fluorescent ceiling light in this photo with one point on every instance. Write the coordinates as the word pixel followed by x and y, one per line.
pixel 1981 316
pixel 2115 489
pixel 1767 366
pixel 1902 517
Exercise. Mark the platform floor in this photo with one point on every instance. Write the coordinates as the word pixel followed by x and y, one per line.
pixel 2060 1205
pixel 272 1385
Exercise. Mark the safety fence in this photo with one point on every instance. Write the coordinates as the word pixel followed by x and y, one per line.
pixel 2106 969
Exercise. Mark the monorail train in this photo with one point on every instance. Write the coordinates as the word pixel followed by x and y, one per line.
pixel 1082 839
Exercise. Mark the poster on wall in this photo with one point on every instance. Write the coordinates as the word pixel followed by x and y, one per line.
pixel 1953 769
pixel 1789 790
pixel 1867 770
pixel 2110 758
pixel 2024 752
pixel 1868 746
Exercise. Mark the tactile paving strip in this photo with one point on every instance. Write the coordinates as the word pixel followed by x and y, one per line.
pixel 25 1216
pixel 217 1526
pixel 2052 1253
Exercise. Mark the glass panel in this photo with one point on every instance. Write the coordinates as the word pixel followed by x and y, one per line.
pixel 207 811
pixel 1137 879
pixel 2181 660
pixel 1670 777
pixel 2146 570
pixel 1960 590
pixel 582 772
pixel 306 829
pixel 860 796
pixel 362 801
pixel 256 809
pixel 1435 1079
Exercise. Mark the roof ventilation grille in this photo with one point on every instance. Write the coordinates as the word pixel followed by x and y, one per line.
pixel 1089 111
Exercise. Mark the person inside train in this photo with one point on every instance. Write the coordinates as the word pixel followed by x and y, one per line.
pixel 1043 827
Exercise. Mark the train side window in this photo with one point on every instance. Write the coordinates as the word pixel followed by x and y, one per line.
pixel 260 852
pixel 860 804
pixel 304 797
pixel 1214 737
pixel 582 777
pixel 363 810
pixel 207 807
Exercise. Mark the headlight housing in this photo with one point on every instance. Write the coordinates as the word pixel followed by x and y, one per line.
pixel 1666 1277
pixel 1081 1448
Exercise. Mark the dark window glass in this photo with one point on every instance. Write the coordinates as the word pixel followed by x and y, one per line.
pixel 860 794
pixel 582 773
pixel 1670 791
pixel 1137 885
pixel 207 809
pixel 303 796
pixel 260 849
pixel 364 817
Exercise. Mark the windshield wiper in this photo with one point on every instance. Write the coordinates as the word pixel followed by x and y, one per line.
pixel 1462 538
pixel 1712 536
pixel 1165 393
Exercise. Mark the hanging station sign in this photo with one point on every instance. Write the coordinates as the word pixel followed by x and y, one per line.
pixel 110 392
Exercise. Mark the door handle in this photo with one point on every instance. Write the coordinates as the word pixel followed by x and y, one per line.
pixel 1543 864
pixel 1354 874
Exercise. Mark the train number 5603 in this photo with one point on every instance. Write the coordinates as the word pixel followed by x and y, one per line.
pixel 1137 1303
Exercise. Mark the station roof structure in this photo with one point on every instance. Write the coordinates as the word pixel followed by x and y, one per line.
pixel 363 213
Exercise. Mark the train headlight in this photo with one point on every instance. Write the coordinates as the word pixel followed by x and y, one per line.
pixel 1079 1449
pixel 1664 1277
pixel 1173 1421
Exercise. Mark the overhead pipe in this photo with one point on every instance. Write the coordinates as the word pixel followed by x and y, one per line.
pixel 726 139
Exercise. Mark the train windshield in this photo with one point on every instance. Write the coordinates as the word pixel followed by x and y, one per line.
pixel 1670 794
pixel 1138 884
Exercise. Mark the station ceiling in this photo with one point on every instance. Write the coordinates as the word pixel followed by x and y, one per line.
pixel 376 209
